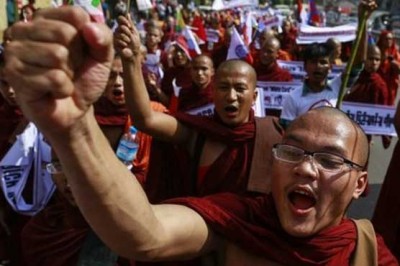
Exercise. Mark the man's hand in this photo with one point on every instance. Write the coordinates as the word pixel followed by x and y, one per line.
pixel 59 65
pixel 127 39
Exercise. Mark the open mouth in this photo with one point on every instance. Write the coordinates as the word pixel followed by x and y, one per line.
pixel 302 199
pixel 117 93
pixel 231 109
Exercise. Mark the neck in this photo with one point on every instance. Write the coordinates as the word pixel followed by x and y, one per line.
pixel 316 86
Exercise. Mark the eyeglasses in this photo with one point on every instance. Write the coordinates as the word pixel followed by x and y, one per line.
pixel 325 161
pixel 54 168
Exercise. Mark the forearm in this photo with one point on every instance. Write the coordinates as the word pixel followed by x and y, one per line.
pixel 138 100
pixel 107 194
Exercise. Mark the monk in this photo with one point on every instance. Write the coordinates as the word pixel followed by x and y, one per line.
pixel 268 68
pixel 386 218
pixel 318 168
pixel 12 124
pixel 390 59
pixel 214 153
pixel 370 87
pixel 336 46
pixel 179 70
pixel 200 93
pixel 57 235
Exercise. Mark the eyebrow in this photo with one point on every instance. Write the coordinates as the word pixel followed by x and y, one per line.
pixel 330 148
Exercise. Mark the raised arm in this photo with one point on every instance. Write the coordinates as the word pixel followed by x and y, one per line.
pixel 59 65
pixel 157 124
pixel 365 8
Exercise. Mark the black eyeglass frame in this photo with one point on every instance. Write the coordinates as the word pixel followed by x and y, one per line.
pixel 351 164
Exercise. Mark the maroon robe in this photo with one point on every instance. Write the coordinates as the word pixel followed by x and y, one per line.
pixel 219 55
pixel 369 88
pixel 182 76
pixel 173 172
pixel 10 118
pixel 389 72
pixel 11 121
pixel 194 97
pixel 55 236
pixel 274 73
pixel 252 224
pixel 386 217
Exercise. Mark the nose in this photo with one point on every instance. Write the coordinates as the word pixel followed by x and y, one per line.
pixel 232 95
pixel 307 168
pixel 119 81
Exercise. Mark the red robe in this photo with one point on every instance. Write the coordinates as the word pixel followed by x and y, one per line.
pixel 389 72
pixel 11 118
pixel 173 172
pixel 386 217
pixel 369 88
pixel 252 223
pixel 55 236
pixel 182 76
pixel 274 73
pixel 193 97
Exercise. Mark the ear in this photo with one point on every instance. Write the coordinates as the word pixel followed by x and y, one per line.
pixel 255 95
pixel 361 184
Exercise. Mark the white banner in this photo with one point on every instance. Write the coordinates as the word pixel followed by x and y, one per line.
pixel 275 92
pixel 212 35
pixel 222 4
pixel 296 68
pixel 309 34
pixel 144 4
pixel 374 119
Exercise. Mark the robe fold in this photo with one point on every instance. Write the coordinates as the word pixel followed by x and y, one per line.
pixel 273 73
pixel 252 224
pixel 55 236
pixel 173 172
pixel 386 218
pixel 369 88
pixel 194 97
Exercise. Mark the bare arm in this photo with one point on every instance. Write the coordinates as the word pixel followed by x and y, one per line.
pixel 56 92
pixel 154 123
pixel 366 7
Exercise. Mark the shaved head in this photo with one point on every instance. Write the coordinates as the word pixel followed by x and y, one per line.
pixel 272 42
pixel 373 49
pixel 329 116
pixel 231 66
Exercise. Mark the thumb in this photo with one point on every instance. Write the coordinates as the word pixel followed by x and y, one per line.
pixel 98 38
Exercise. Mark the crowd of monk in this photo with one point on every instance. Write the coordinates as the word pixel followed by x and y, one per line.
pixel 230 188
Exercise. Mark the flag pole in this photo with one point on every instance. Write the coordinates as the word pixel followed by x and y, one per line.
pixel 349 66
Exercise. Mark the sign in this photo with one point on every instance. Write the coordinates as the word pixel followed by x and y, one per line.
pixel 309 34
pixel 374 119
pixel 275 92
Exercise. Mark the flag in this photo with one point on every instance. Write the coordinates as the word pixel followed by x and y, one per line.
pixel 180 23
pixel 191 40
pixel 200 31
pixel 249 23
pixel 314 18
pixel 93 8
pixel 238 49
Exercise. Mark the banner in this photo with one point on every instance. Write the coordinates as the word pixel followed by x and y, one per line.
pixel 275 92
pixel 212 35
pixel 296 68
pixel 27 159
pixel 221 4
pixel 144 5
pixel 309 34
pixel 374 119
